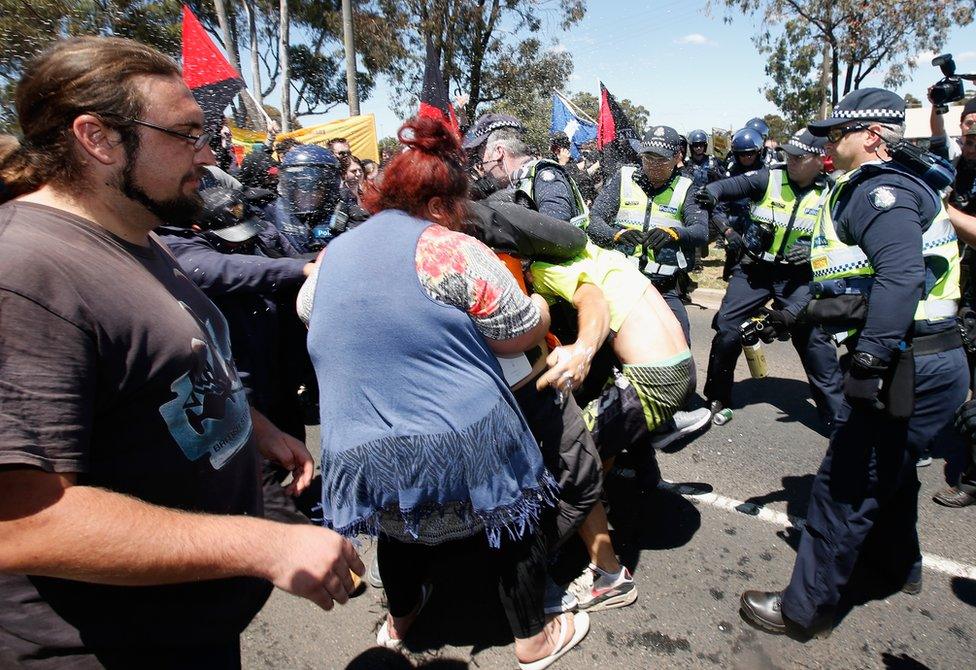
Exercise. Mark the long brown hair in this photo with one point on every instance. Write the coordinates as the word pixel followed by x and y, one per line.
pixel 433 166
pixel 73 77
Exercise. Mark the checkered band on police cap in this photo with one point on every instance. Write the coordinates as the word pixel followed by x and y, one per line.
pixel 804 142
pixel 662 140
pixel 864 104
pixel 488 124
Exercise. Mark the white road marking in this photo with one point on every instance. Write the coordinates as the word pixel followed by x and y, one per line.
pixel 930 561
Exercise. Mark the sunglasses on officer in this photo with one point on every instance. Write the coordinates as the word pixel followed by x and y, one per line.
pixel 835 135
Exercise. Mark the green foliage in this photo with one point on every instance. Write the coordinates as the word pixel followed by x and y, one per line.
pixel 480 53
pixel 779 129
pixel 856 38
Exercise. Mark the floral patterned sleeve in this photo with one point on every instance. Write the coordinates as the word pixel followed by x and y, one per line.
pixel 460 271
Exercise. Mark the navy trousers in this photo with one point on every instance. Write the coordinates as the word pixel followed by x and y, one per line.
pixel 751 287
pixel 864 501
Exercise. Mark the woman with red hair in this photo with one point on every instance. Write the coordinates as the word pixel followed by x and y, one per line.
pixel 423 444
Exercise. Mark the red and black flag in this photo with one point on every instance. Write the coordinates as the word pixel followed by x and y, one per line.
pixel 434 100
pixel 207 73
pixel 615 134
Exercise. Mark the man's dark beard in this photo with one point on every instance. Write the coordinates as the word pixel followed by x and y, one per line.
pixel 181 211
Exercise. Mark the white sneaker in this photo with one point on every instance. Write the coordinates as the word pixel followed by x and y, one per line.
pixel 681 425
pixel 598 590
pixel 558 599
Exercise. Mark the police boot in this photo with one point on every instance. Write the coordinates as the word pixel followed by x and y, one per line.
pixel 764 609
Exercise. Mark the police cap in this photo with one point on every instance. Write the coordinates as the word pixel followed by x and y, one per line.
pixel 660 141
pixel 485 126
pixel 804 143
pixel 865 104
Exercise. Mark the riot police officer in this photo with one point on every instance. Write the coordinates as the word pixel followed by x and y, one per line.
pixel 701 167
pixel 648 213
pixel 884 238
pixel 760 126
pixel 773 264
pixel 309 210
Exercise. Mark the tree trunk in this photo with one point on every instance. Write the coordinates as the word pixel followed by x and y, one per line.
pixel 285 70
pixel 349 44
pixel 252 32
pixel 224 23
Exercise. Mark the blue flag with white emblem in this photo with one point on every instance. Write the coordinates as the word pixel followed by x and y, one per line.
pixel 566 120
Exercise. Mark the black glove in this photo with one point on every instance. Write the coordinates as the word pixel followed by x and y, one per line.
pixel 658 237
pixel 862 384
pixel 780 322
pixel 966 420
pixel 706 200
pixel 799 253
pixel 733 242
pixel 630 236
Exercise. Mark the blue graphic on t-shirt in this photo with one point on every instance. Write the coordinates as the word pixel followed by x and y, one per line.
pixel 210 414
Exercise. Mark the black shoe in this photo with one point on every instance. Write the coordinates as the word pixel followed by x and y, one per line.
pixel 715 406
pixel 912 588
pixel 764 609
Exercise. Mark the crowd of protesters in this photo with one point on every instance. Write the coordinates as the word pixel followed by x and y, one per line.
pixel 479 333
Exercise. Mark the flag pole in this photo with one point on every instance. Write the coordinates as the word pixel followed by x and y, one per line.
pixel 573 107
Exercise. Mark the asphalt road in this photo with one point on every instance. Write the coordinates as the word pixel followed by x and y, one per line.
pixel 692 554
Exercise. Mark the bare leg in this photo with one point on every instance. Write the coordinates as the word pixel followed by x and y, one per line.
pixel 595 532
pixel 544 643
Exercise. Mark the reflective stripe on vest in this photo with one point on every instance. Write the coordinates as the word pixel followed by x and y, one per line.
pixel 524 181
pixel 831 258
pixel 777 208
pixel 665 210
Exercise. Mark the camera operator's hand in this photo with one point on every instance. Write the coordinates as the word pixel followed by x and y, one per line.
pixel 965 421
pixel 862 383
pixel 706 200
pixel 659 237
pixel 799 253
pixel 629 236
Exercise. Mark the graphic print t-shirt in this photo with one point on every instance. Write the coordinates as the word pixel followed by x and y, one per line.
pixel 114 366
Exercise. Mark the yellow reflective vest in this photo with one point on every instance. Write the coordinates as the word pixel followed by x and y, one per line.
pixel 831 258
pixel 665 210
pixel 792 219
pixel 524 182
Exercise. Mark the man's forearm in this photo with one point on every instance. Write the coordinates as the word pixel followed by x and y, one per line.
pixel 593 316
pixel 93 535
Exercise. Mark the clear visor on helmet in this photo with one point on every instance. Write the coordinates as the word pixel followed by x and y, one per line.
pixel 309 189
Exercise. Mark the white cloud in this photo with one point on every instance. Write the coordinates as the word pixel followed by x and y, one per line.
pixel 558 49
pixel 965 56
pixel 696 39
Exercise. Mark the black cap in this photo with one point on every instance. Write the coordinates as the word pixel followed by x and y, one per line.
pixel 864 104
pixel 226 214
pixel 805 142
pixel 660 140
pixel 968 108
pixel 486 125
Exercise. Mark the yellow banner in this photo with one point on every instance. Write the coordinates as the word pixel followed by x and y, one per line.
pixel 721 141
pixel 360 131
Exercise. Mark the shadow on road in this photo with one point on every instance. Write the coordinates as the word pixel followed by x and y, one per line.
pixel 901 662
pixel 385 659
pixel 795 493
pixel 965 590
pixel 790 396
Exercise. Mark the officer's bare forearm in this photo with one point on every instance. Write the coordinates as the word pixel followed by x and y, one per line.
pixel 50 527
pixel 965 225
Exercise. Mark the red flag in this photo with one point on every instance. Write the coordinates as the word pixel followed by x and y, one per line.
pixel 434 100
pixel 615 134
pixel 206 72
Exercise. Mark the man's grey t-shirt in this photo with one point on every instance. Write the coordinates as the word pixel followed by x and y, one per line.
pixel 116 367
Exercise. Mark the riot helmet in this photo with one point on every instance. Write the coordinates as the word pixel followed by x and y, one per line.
pixel 759 126
pixel 746 140
pixel 309 181
pixel 697 137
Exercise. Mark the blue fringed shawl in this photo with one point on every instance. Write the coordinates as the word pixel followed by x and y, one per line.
pixel 418 424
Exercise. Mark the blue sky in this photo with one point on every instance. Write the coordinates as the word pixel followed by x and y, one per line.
pixel 689 68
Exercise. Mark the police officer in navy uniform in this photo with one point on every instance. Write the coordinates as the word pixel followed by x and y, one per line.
pixel 501 154
pixel 701 167
pixel 773 264
pixel 884 238
pixel 649 214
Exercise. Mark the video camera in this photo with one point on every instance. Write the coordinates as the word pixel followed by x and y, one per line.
pixel 950 87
